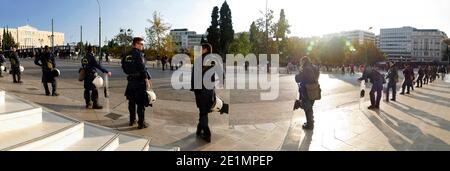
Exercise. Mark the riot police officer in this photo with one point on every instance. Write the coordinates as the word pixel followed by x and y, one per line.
pixel 15 66
pixel 2 61
pixel 90 66
pixel 47 62
pixel 138 83
pixel 204 97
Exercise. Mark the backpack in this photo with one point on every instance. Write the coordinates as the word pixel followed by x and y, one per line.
pixel 127 64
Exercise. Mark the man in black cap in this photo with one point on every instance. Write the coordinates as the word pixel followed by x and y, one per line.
pixel 90 66
pixel 138 83
pixel 47 62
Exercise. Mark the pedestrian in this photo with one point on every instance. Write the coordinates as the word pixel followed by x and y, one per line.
pixel 408 73
pixel 204 97
pixel 2 61
pixel 90 66
pixel 107 57
pixel 427 71
pixel 392 77
pixel 15 66
pixel 139 81
pixel 47 62
pixel 164 62
pixel 352 69
pixel 443 71
pixel 308 77
pixel 421 73
pixel 377 80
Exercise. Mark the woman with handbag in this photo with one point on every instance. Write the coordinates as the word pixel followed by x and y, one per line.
pixel 309 89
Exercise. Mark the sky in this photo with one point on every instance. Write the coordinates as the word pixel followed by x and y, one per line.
pixel 306 17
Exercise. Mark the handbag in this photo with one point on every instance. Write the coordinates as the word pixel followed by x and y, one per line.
pixel 82 74
pixel 313 91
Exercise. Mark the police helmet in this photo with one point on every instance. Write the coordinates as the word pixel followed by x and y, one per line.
pixel 151 96
pixel 2 68
pixel 56 72
pixel 98 82
pixel 22 69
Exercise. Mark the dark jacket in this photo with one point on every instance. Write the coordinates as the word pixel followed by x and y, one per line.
pixel 204 97
pixel 408 73
pixel 90 65
pixel 137 73
pixel 375 78
pixel 2 59
pixel 44 60
pixel 14 59
pixel 392 74
pixel 308 75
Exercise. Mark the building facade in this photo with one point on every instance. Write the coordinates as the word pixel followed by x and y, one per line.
pixel 185 39
pixel 409 44
pixel 358 35
pixel 30 37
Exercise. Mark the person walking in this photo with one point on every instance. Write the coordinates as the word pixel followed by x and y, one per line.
pixel 204 97
pixel 421 77
pixel 408 73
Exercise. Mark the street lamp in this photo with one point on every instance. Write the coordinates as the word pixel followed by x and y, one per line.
pixel 99 31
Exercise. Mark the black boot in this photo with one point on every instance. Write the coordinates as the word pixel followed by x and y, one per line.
pixel 199 131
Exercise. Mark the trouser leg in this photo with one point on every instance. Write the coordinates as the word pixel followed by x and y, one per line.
pixel 372 97
pixel 379 96
pixel 204 124
pixel 47 91
pixel 132 110
pixel 54 86
pixel 87 96
pixel 141 113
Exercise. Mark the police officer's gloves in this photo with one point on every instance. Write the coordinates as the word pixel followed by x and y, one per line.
pixel 298 104
pixel 363 93
pixel 225 109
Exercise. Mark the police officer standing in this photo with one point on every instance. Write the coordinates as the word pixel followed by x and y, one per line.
pixel 392 77
pixel 15 66
pixel 47 62
pixel 90 66
pixel 138 83
pixel 2 61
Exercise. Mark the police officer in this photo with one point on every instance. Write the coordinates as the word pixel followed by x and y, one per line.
pixel 90 66
pixel 204 97
pixel 2 60
pixel 47 62
pixel 392 77
pixel 15 66
pixel 138 83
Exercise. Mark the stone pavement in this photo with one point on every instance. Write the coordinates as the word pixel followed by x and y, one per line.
pixel 420 121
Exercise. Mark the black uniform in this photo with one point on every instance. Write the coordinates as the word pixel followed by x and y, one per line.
pixel 2 60
pixel 136 92
pixel 204 99
pixel 47 62
pixel 90 65
pixel 15 67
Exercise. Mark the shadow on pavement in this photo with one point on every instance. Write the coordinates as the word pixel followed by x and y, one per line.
pixel 424 116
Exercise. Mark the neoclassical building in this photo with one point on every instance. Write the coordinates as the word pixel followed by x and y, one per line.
pixel 30 37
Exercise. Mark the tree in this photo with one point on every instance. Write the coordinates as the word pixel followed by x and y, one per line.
pixel 281 32
pixel 8 40
pixel 157 32
pixel 241 45
pixel 226 28
pixel 256 39
pixel 214 31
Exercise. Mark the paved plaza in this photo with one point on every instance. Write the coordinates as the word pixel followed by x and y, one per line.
pixel 420 121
